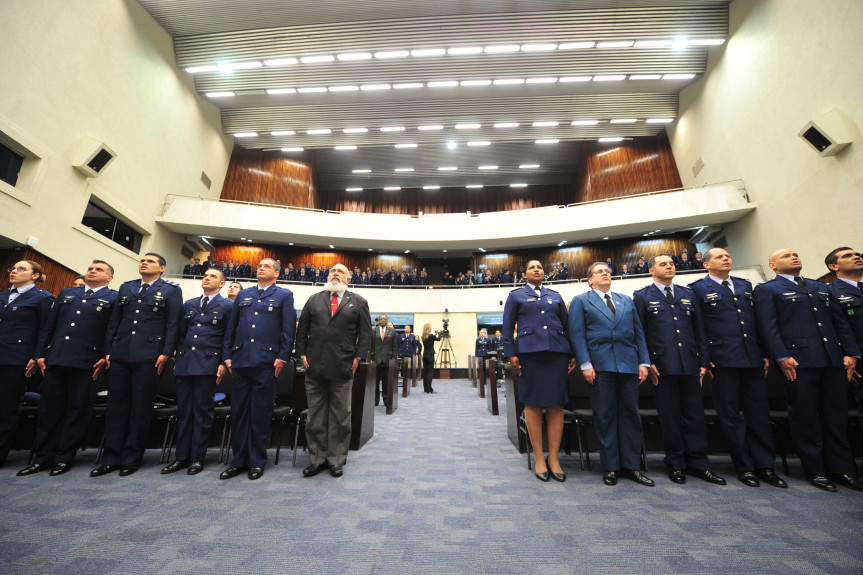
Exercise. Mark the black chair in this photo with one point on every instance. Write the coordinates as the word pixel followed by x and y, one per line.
pixel 30 412
pixel 301 424
pixel 166 408
pixel 282 411
pixel 222 412
pixel 779 419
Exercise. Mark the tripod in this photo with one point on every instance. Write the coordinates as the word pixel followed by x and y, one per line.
pixel 446 352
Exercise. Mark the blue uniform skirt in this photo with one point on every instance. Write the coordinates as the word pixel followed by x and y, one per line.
pixel 543 379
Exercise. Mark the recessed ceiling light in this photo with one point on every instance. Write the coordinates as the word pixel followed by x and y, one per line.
pixel 605 238
pixel 361 171
pixel 623 121
pixel 615 44
pixel 546 80
pixel 476 82
pixel 245 134
pixel 678 76
pixel 312 90
pixel 545 124
pixel 502 49
pixel 645 76
pixel 290 243
pixel 317 131
pixel 404 169
pixel 283 133
pixel 443 84
pixel 332 247
pixel 353 189
pixel 561 243
pixel 479 143
pixel 251 240
pixel 540 47
pixel 585 122
pixel 408 85
pixel 679 43
pixel 296 149
pixel 659 120
pixel 371 87
pixel 566 79
pixel 447 168
pixel 706 42
pixel 506 125
pixel 431 187
pixel 345 148
pixel 489 167
pixel 200 69
pixel 389 54
pixel 652 43
pixel 468 126
pixel 349 56
pixel 657 231
pixel 370 249
pixel 355 130
pixel 425 52
pixel 473 186
pixel 481 249
pixel 609 78
pixel 444 251
pixel 528 166
pixel 610 139
pixel 220 94
pixel 277 91
pixel 392 188
pixel 352 88
pixel 548 141
pixel 317 59
pixel 239 66
pixel 407 251
pixel 393 129
pixel 465 50
pixel 519 185
pixel 576 45
pixel 429 127
pixel 280 62
pixel 242 239
pixel 508 81
pixel 406 145
pixel 451 145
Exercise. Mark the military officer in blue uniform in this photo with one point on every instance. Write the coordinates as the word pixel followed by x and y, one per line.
pixel 199 370
pixel 409 345
pixel 244 270
pixel 675 340
pixel 482 347
pixel 191 269
pixel 258 343
pixel 74 344
pixel 140 337
pixel 24 312
pixel 739 367
pixel 847 264
pixel 802 327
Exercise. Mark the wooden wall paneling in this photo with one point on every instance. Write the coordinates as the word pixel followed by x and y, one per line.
pixel 57 276
pixel 270 178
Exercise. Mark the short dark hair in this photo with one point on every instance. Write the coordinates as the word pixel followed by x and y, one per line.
pixel 220 272
pixel 162 260
pixel 79 277
pixel 593 267
pixel 651 263
pixel 832 258
pixel 110 267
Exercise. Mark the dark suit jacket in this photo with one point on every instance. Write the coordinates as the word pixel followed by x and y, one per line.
pixel 850 300
pixel 330 344
pixel 383 351
pixel 202 335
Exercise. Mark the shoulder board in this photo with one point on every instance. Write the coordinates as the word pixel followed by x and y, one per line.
pixel 132 281
pixel 516 289
pixel 643 288
pixel 46 293
pixel 699 280
pixel 765 282
pixel 173 283
pixel 552 291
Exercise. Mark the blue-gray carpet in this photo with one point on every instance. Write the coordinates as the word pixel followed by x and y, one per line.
pixel 439 489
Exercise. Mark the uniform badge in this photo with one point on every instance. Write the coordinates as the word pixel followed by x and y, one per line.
pixel 850 312
pixel 530 299
pixel 548 300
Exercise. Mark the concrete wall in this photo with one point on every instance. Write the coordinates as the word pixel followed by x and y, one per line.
pixel 785 63
pixel 104 69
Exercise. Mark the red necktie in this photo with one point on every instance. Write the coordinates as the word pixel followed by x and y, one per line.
pixel 334 304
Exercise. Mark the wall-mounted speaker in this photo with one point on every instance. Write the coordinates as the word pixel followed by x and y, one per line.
pixel 829 133
pixel 93 157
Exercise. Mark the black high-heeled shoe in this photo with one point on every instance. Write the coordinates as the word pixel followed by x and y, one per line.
pixel 544 475
pixel 556 476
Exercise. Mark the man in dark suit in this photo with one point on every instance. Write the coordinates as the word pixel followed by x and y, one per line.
pixel 141 336
pixel 73 347
pixel 675 340
pixel 198 370
pixel 333 336
pixel 258 343
pixel 738 369
pixel 802 328
pixel 847 264
pixel 384 347
pixel 608 340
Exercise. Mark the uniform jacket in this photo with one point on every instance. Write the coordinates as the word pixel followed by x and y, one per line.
pixel 612 342
pixel 261 328
pixel 77 326
pixel 542 321
pixel 142 329
pixel 803 322
pixel 850 299
pixel 23 325
pixel 496 344
pixel 330 343
pixel 482 347
pixel 409 344
pixel 383 351
pixel 729 323
pixel 674 332
pixel 202 335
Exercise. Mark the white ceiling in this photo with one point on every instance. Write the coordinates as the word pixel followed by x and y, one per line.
pixel 227 32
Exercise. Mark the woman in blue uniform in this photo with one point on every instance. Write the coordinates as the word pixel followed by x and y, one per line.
pixel 542 361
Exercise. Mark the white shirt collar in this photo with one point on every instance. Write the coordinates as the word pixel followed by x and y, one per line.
pixel 661 287
pixel 846 280
pixel 601 294
pixel 720 280
pixel 95 289
pixel 25 288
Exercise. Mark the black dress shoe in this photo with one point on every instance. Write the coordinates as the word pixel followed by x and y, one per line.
pixel 31 469
pixel 103 470
pixel 174 467
pixel 127 470
pixel 822 482
pixel 314 469
pixel 60 469
pixel 769 477
pixel 195 468
pixel 677 476
pixel 336 471
pixel 610 478
pixel 707 476
pixel 637 476
pixel 256 473
pixel 848 481
pixel 749 478
pixel 231 472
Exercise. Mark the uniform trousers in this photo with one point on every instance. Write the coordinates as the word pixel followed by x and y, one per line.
pixel 740 399
pixel 614 400
pixel 131 394
pixel 194 415
pixel 13 384
pixel 253 395
pixel 65 413
pixel 684 428
pixel 328 427
pixel 818 416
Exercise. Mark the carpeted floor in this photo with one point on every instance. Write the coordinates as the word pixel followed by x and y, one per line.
pixel 439 489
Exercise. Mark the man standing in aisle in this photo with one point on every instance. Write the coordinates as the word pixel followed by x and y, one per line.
pixel 802 328
pixel 258 343
pixel 333 336
pixel 141 336
pixel 675 340
pixel 738 367
pixel 198 370
pixel 384 347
